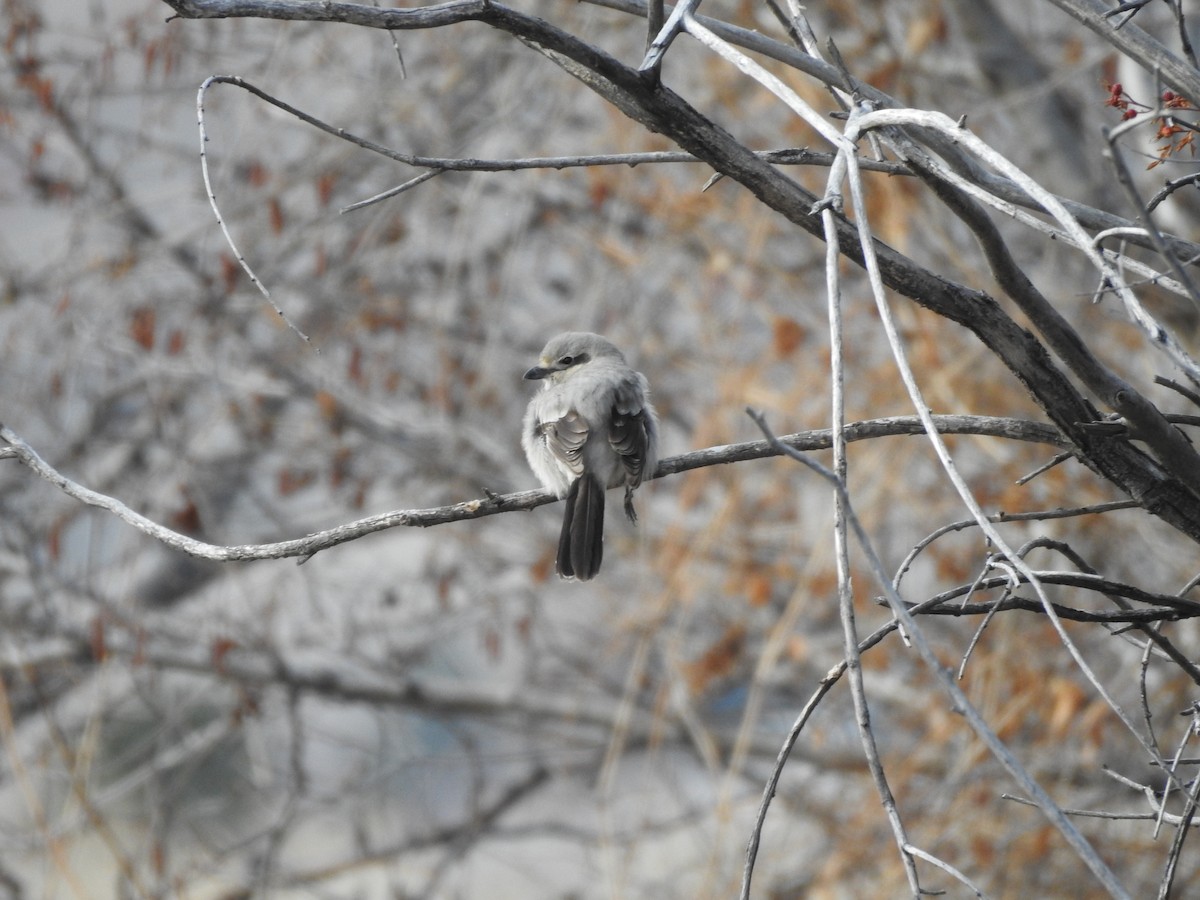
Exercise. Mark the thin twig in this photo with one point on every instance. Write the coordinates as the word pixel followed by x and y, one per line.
pixel 1185 824
pixel 858 692
pixel 978 635
pixel 783 156
pixel 392 192
pixel 1098 813
pixel 396 47
pixel 953 601
pixel 654 20
pixel 1125 179
pixel 666 36
pixel 824 686
pixel 1183 390
pixel 1171 186
pixel 1004 517
pixel 945 867
pixel 212 200
pixel 1056 460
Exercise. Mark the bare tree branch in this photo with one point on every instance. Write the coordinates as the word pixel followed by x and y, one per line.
pixel 1014 429
pixel 999 750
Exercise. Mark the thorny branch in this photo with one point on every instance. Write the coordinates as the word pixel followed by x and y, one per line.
pixel 493 504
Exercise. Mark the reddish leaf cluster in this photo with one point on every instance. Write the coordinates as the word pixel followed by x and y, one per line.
pixel 1118 99
pixel 1174 134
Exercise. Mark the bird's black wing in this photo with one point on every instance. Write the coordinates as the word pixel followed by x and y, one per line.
pixel 631 431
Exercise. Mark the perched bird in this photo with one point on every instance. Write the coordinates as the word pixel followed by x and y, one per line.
pixel 590 427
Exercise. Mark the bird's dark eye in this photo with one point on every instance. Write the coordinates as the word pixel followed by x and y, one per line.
pixel 566 361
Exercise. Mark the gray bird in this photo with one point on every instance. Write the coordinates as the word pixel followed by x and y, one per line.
pixel 591 427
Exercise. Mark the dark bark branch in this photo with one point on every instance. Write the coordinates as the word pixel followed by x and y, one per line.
pixel 1145 420
pixel 1160 607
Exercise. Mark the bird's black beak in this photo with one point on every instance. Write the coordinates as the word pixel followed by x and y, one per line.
pixel 537 373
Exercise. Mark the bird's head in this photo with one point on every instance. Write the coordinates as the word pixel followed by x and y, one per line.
pixel 568 352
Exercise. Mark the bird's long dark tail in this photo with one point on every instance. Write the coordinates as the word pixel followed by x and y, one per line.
pixel 581 543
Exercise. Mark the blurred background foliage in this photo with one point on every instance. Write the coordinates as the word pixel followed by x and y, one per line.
pixel 430 713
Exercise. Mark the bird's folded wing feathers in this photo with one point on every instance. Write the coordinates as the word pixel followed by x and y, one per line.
pixel 564 438
pixel 629 432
